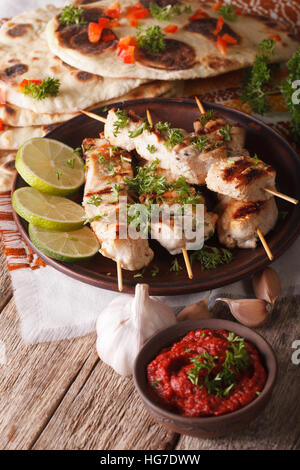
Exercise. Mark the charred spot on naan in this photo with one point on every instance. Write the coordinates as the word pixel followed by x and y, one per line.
pixel 18 30
pixel 72 36
pixel 177 56
pixel 160 3
pixel 9 110
pixel 13 71
pixel 218 63
pixel 84 76
pixel 207 26
pixel 271 24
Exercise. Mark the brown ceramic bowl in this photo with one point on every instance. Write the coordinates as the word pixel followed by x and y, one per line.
pixel 214 426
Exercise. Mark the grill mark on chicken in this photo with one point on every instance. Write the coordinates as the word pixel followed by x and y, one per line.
pixel 247 209
pixel 237 171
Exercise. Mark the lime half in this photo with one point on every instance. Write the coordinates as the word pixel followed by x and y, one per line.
pixel 77 245
pixel 45 210
pixel 50 166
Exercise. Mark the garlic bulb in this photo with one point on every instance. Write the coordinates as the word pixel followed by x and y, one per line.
pixel 195 311
pixel 249 312
pixel 126 324
pixel 266 285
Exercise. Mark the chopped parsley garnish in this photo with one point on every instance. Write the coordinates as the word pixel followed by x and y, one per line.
pixel 151 39
pixel 140 274
pixel 58 174
pixel 81 150
pixel 111 168
pixel 155 271
pixel 125 159
pixel 95 200
pixel 163 126
pixel 147 181
pixel 200 143
pixel 151 148
pixel 155 382
pixel 204 118
pixel 175 137
pixel 88 220
pixel 101 159
pixel 139 131
pixel 48 87
pixel 225 132
pixel 203 361
pixel 228 12
pixel 116 188
pixel 237 360
pixel 73 239
pixel 71 162
pixel 165 13
pixel 121 122
pixel 72 15
pixel 211 257
pixel 175 266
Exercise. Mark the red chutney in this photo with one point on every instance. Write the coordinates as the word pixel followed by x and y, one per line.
pixel 208 372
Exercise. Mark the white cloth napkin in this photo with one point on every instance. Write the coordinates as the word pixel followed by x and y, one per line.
pixel 53 306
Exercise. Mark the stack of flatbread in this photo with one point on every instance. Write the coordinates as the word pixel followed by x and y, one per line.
pixel 24 53
pixel 36 45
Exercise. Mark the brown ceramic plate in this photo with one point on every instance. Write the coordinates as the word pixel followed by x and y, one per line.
pixel 261 139
pixel 211 426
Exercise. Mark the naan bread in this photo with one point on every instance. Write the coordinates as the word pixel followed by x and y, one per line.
pixel 12 115
pixel 7 170
pixel 13 137
pixel 25 54
pixel 191 52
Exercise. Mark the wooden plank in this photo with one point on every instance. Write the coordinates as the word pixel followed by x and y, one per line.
pixel 35 379
pixel 103 412
pixel 5 282
pixel 278 427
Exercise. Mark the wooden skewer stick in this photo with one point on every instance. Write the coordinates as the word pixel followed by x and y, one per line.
pixel 187 263
pixel 282 196
pixel 120 277
pixel 149 118
pixel 264 244
pixel 200 105
pixel 93 116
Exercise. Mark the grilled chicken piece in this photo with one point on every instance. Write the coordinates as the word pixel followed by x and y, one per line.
pixel 242 177
pixel 106 169
pixel 233 134
pixel 184 159
pixel 170 235
pixel 239 221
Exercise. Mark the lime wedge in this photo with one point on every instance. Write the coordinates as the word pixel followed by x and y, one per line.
pixel 77 245
pixel 45 210
pixel 50 166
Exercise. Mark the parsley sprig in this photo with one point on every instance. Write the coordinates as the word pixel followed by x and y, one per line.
pixel 151 39
pixel 228 12
pixel 48 87
pixel 165 13
pixel 72 15
pixel 288 90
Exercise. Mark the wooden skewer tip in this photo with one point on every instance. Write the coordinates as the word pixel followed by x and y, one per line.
pixel 264 244
pixel 93 115
pixel 120 277
pixel 149 118
pixel 187 263
pixel 200 105
pixel 282 196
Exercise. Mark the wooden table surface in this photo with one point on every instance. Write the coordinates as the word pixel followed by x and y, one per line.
pixel 61 396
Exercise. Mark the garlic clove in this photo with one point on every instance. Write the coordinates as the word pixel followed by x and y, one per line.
pixel 195 311
pixel 249 312
pixel 266 285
